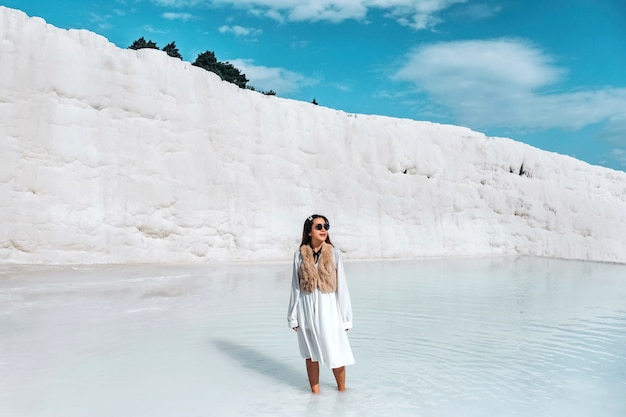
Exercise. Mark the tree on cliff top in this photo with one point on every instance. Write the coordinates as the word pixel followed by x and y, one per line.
pixel 225 70
pixel 141 43
pixel 169 49
pixel 172 50
pixel 206 60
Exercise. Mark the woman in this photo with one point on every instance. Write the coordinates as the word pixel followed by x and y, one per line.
pixel 319 309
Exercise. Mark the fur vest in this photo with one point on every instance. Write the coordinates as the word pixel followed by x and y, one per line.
pixel 322 276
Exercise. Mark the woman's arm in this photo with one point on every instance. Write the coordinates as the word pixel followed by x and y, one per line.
pixel 292 313
pixel 343 294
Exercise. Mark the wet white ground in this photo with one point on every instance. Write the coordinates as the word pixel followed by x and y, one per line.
pixel 444 338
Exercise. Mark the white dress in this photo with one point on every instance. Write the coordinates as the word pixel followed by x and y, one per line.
pixel 322 318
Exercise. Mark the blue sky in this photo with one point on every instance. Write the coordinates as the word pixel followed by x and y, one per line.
pixel 551 73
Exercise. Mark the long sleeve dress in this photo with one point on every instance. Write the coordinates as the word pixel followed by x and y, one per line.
pixel 322 318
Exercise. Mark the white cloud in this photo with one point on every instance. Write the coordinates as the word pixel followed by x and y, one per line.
pixel 615 130
pixel 101 21
pixel 418 14
pixel 342 87
pixel 619 155
pixel 280 80
pixel 477 64
pixel 477 11
pixel 179 3
pixel 150 29
pixel 300 43
pixel 504 83
pixel 178 16
pixel 240 31
pixel 333 11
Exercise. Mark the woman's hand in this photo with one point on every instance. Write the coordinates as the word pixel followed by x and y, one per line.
pixel 295 329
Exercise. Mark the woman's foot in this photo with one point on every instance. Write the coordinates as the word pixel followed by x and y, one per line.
pixel 313 372
pixel 340 377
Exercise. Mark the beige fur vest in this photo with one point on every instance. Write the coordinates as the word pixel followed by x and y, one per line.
pixel 324 276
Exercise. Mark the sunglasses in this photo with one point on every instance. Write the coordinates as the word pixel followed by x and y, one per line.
pixel 320 225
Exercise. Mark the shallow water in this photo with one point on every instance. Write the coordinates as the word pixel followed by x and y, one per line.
pixel 441 337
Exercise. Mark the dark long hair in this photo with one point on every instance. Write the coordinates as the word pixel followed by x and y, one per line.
pixel 308 225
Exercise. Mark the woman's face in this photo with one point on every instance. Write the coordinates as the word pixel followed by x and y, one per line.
pixel 318 236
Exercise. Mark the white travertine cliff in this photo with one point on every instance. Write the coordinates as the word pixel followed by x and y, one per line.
pixel 112 155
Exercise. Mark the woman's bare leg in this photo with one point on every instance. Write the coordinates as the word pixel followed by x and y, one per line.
pixel 340 377
pixel 313 372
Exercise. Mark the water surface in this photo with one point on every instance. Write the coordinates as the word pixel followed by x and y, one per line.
pixel 440 337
